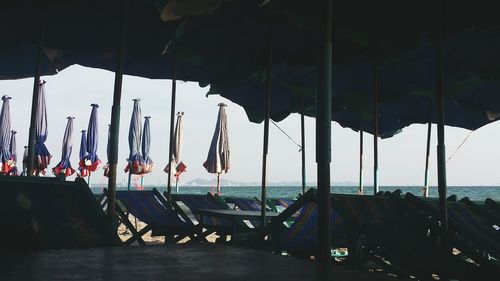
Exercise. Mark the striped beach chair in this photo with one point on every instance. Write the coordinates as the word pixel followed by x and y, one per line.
pixel 222 227
pixel 152 209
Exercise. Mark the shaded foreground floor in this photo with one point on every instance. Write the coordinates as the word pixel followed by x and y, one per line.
pixel 173 262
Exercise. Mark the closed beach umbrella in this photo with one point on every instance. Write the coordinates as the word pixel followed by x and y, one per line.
pixel 13 154
pixel 64 166
pixel 5 156
pixel 135 161
pixel 177 149
pixel 25 161
pixel 83 155
pixel 218 154
pixel 42 155
pixel 178 138
pixel 92 160
pixel 146 146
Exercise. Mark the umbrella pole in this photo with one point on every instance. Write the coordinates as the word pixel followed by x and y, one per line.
pixel 218 184
pixel 441 151
pixel 323 133
pixel 88 179
pixel 34 103
pixel 266 133
pixel 129 180
pixel 115 115
pixel 142 182
pixel 375 133
pixel 170 146
pixel 427 153
pixel 361 187
pixel 303 146
pixel 176 185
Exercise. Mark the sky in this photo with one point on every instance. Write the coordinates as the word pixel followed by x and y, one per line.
pixel 401 158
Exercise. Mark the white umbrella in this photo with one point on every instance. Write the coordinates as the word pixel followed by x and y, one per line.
pixel 177 149
pixel 218 154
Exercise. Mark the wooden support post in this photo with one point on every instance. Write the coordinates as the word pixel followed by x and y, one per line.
pixel 171 140
pixel 115 115
pixel 441 150
pixel 34 102
pixel 323 133
pixel 427 153
pixel 303 145
pixel 375 132
pixel 263 220
pixel 361 189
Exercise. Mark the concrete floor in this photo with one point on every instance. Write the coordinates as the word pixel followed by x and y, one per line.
pixel 172 262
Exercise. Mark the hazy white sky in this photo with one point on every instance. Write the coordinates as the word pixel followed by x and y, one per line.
pixel 401 158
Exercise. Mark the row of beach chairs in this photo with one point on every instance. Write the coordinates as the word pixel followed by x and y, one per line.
pixel 400 234
pixel 403 235
pixel 293 231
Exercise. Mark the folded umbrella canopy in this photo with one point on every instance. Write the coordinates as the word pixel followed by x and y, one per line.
pixel 5 156
pixel 218 153
pixel 146 146
pixel 42 155
pixel 64 166
pixel 83 155
pixel 135 160
pixel 178 166
pixel 92 161
pixel 13 154
pixel 25 161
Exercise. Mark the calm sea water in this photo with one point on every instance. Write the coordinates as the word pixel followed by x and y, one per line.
pixel 476 193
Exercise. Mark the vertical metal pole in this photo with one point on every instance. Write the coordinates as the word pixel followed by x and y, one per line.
pixel 34 103
pixel 115 114
pixel 171 142
pixel 218 184
pixel 375 133
pixel 361 187
pixel 303 146
pixel 129 183
pixel 427 153
pixel 266 133
pixel 323 133
pixel 441 151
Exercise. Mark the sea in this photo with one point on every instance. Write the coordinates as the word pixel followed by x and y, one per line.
pixel 475 193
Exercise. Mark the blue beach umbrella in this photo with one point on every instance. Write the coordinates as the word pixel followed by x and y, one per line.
pixel 13 153
pixel 218 154
pixel 83 154
pixel 146 146
pixel 42 159
pixel 92 160
pixel 5 156
pixel 64 166
pixel 135 161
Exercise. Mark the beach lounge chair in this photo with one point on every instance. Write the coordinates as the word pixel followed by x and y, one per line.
pixel 280 203
pixel 300 237
pixel 152 209
pixel 399 238
pixel 47 213
pixel 221 227
pixel 245 204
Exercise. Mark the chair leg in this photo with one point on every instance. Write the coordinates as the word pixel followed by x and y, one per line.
pixel 127 223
